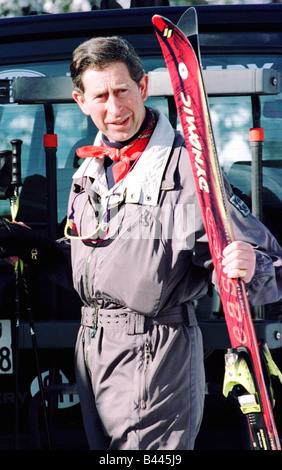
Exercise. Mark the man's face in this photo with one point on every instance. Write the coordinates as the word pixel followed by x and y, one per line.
pixel 113 100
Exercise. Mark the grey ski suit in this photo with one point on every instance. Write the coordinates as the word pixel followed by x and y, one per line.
pixel 139 350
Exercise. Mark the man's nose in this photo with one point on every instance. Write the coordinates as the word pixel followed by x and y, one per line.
pixel 114 105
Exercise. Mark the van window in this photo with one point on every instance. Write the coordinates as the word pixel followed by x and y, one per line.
pixel 73 128
pixel 232 119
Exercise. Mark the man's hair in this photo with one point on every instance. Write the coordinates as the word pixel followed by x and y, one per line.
pixel 100 52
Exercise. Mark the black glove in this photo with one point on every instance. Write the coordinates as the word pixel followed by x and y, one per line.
pixel 31 247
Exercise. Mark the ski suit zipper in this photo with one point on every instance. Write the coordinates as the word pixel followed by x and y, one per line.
pixel 91 301
pixel 147 356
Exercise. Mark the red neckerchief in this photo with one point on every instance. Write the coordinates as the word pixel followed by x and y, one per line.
pixel 125 155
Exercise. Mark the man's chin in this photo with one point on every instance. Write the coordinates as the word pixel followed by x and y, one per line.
pixel 119 136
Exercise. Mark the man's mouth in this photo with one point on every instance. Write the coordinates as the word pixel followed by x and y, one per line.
pixel 121 122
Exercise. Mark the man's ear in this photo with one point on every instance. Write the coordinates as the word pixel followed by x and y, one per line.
pixel 143 85
pixel 79 98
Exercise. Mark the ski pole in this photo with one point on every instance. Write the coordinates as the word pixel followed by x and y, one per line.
pixel 20 278
pixel 14 205
pixel 256 137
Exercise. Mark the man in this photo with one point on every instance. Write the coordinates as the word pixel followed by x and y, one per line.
pixel 139 258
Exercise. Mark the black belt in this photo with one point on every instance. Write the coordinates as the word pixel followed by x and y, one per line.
pixel 136 323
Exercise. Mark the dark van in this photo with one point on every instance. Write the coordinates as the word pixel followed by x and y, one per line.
pixel 241 48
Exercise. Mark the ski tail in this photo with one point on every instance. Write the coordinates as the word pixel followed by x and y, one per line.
pixel 240 383
pixel 183 64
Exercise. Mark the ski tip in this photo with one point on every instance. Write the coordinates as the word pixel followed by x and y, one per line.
pixel 158 20
pixel 189 15
pixel 161 23
pixel 188 22
pixel 155 18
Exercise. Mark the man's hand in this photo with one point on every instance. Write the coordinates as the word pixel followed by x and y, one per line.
pixel 239 260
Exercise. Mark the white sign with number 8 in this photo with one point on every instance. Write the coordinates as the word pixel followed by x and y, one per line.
pixel 6 355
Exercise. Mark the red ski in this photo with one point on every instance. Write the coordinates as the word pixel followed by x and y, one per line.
pixel 184 66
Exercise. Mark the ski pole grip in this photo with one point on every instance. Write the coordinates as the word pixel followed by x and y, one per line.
pixel 16 162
